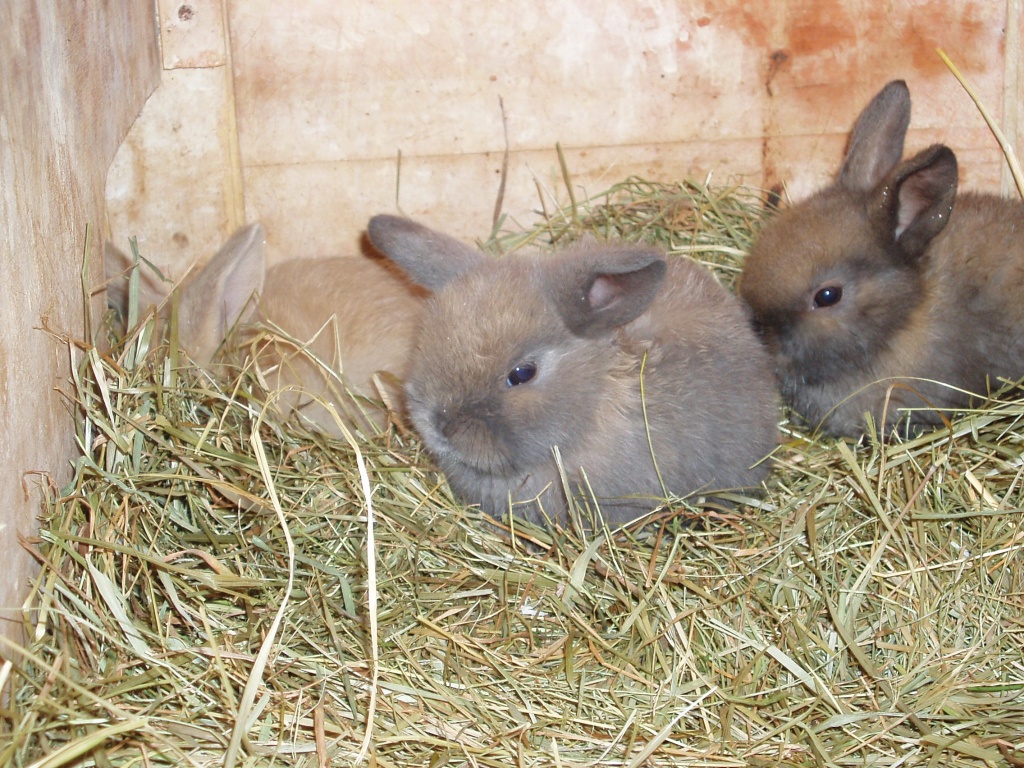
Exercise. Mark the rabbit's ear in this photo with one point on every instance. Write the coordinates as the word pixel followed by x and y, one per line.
pixel 598 289
pixel 876 143
pixel 432 259
pixel 919 197
pixel 221 294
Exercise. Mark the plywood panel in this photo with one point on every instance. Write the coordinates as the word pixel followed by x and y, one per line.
pixel 170 184
pixel 618 85
pixel 174 183
pixel 828 58
pixel 337 199
pixel 359 79
pixel 327 93
pixel 74 77
pixel 192 33
pixel 328 89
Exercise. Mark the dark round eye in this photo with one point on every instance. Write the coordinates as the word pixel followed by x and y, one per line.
pixel 521 374
pixel 828 296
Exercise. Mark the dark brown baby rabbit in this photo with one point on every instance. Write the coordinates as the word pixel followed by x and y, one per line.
pixel 641 371
pixel 879 294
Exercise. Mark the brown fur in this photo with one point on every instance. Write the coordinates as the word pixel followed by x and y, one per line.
pixel 357 315
pixel 932 282
pixel 589 318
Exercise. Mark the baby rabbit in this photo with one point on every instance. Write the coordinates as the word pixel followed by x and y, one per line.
pixel 642 372
pixel 358 314
pixel 879 294
pixel 210 300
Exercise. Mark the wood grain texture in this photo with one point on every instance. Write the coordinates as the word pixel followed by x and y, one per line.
pixel 326 94
pixel 75 77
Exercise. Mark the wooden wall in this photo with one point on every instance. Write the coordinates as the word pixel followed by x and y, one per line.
pixel 73 77
pixel 294 113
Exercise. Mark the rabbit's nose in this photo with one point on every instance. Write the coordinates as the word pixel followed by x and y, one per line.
pixel 467 425
pixel 444 423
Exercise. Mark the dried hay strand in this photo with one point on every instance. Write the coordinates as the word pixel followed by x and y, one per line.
pixel 210 593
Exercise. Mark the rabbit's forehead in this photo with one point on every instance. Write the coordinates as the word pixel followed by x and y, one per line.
pixel 490 314
pixel 806 245
pixel 501 293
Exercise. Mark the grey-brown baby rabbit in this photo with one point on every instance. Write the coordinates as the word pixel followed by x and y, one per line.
pixel 643 372
pixel 879 294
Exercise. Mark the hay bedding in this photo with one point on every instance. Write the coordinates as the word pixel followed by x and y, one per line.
pixel 868 610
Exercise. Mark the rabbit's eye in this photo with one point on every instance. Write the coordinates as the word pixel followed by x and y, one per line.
pixel 828 296
pixel 521 374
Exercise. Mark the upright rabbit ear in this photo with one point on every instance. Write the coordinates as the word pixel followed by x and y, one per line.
pixel 431 258
pixel 221 294
pixel 596 290
pixel 918 198
pixel 876 143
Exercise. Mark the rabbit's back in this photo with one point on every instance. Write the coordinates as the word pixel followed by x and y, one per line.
pixel 357 315
pixel 979 274
pixel 710 389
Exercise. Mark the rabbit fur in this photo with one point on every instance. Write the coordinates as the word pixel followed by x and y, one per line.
pixel 210 300
pixel 581 351
pixel 888 294
pixel 357 315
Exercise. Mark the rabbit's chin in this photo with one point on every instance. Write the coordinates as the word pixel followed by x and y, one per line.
pixel 489 477
pixel 525 493
pixel 469 450
pixel 491 465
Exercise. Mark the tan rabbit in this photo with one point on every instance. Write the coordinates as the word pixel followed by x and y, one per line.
pixel 355 315
pixel 641 371
pixel 211 301
pixel 887 293
pixel 359 316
